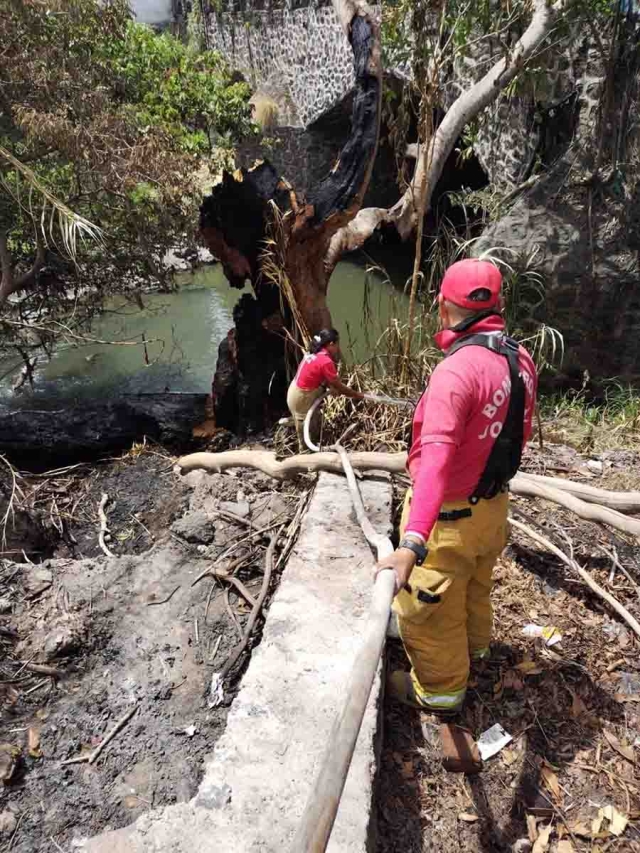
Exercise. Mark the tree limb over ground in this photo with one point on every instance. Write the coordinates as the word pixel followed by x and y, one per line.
pixel 587 502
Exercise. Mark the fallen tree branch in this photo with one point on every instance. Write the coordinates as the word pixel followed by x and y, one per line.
pixel 232 517
pixel 584 574
pixel 92 757
pixel 43 669
pixel 164 600
pixel 616 564
pixel 210 571
pixel 236 582
pixel 232 616
pixel 257 607
pixel 292 466
pixel 590 512
pixel 104 500
pixel 622 501
pixel 586 501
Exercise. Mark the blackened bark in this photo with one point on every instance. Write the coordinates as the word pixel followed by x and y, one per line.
pixel 250 384
pixel 235 220
pixel 38 439
pixel 346 185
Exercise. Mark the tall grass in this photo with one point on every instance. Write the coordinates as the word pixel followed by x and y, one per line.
pixel 610 421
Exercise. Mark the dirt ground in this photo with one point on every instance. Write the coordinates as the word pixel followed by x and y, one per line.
pixel 573 710
pixel 132 633
pixel 85 640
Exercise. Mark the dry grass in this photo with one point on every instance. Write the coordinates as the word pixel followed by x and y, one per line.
pixel 265 111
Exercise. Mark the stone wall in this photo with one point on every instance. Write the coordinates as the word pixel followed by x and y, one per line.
pixel 578 226
pixel 305 156
pixel 538 118
pixel 294 52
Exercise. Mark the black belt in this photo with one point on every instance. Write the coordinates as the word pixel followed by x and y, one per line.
pixel 455 514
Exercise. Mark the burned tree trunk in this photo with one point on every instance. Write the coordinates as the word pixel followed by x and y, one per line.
pixel 265 233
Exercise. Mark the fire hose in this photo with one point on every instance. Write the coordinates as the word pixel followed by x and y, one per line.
pixel 322 804
pixel 374 398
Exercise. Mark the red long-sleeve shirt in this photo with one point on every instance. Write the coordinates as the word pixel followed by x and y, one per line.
pixel 457 421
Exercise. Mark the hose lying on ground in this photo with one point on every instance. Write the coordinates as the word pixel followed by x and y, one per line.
pixel 389 401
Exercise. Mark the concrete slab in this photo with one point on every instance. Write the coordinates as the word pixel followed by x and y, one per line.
pixel 257 780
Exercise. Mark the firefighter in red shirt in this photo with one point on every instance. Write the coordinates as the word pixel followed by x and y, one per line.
pixel 316 373
pixel 469 429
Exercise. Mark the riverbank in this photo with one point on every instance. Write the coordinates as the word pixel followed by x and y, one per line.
pixel 172 342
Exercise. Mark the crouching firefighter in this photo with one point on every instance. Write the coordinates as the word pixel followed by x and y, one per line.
pixel 469 429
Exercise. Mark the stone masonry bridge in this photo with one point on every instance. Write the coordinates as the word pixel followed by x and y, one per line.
pixel 294 53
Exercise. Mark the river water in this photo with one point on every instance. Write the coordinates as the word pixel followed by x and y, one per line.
pixel 182 331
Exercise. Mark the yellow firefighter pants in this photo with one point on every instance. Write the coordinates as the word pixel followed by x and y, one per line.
pixel 299 403
pixel 445 617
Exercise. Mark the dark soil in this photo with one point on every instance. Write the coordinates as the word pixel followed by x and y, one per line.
pixel 122 633
pixel 573 710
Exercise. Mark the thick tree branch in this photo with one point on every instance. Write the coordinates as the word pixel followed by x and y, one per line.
pixel 434 156
pixel 10 283
pixel 28 278
pixel 395 463
pixel 6 269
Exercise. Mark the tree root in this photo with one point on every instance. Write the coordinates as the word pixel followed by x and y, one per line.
pixel 257 607
pixel 622 501
pixel 104 529
pixel 293 466
pixel 589 511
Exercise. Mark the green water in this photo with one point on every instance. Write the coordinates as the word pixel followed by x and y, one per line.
pixel 183 330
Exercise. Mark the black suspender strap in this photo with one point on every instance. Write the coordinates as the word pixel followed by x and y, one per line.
pixel 506 453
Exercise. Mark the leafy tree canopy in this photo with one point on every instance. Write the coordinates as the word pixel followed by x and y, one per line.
pixel 104 117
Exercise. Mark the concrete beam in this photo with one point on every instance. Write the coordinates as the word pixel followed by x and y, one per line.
pixel 257 780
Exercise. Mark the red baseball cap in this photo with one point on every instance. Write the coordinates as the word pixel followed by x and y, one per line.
pixel 463 278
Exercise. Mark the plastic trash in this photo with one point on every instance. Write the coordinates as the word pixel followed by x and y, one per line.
pixel 492 741
pixel 549 633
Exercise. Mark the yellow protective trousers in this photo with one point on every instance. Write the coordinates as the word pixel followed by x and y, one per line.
pixel 444 615
pixel 299 403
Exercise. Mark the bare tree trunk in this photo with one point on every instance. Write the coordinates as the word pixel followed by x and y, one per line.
pixel 9 282
pixel 421 212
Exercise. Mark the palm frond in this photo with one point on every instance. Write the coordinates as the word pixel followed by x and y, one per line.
pixel 53 215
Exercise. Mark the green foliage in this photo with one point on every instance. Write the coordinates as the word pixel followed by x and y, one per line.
pixel 594 422
pixel 113 122
pixel 169 85
pixel 427 41
pixel 196 37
